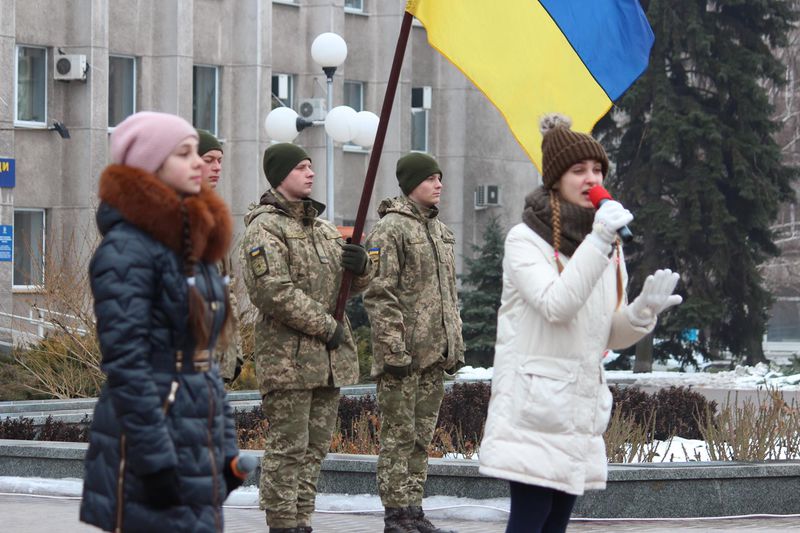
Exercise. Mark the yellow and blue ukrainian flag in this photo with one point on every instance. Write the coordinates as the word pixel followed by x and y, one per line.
pixel 534 57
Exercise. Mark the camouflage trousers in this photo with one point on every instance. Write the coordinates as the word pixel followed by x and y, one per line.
pixel 409 408
pixel 301 423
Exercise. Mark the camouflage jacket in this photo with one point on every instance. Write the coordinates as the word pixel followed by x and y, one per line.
pixel 292 270
pixel 412 301
pixel 231 355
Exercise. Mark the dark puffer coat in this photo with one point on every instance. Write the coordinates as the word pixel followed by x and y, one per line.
pixel 141 305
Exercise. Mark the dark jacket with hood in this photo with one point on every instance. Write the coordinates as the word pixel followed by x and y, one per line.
pixel 157 409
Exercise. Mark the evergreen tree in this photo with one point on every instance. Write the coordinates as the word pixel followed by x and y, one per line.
pixel 480 302
pixel 696 162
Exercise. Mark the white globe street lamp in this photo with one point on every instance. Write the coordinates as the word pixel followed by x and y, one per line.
pixel 329 51
pixel 366 128
pixel 340 123
pixel 281 124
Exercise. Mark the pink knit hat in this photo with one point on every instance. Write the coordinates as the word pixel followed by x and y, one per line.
pixel 145 139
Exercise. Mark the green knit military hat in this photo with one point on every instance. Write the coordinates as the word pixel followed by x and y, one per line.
pixel 562 148
pixel 207 142
pixel 280 159
pixel 413 169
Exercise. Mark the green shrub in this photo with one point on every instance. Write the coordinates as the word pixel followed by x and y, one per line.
pixel 18 384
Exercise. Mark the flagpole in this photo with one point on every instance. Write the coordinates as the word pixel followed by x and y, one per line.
pixel 375 156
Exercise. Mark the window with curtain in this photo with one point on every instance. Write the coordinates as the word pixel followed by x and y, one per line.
pixel 282 90
pixel 420 104
pixel 354 94
pixel 121 88
pixel 354 97
pixel 31 87
pixel 204 106
pixel 29 227
pixel 354 5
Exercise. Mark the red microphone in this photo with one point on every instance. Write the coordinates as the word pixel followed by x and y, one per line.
pixel 598 195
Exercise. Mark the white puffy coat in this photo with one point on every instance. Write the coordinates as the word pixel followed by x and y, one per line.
pixel 550 403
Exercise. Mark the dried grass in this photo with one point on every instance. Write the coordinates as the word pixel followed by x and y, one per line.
pixel 66 362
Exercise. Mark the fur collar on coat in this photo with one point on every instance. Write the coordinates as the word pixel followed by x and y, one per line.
pixel 154 207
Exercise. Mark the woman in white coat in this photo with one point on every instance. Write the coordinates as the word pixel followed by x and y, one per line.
pixel 563 305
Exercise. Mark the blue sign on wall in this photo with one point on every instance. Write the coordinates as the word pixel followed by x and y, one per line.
pixel 6 243
pixel 8 176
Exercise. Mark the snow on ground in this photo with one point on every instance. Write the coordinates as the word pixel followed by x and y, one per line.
pixel 444 507
pixel 760 376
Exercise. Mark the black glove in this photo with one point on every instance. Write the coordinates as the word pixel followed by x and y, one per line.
pixel 337 337
pixel 162 488
pixel 232 481
pixel 397 371
pixel 354 258
pixel 238 369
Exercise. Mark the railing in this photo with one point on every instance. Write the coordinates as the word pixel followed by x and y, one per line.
pixel 41 326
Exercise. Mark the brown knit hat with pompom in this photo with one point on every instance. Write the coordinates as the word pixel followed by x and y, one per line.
pixel 562 148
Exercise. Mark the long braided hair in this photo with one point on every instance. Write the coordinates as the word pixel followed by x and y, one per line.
pixel 200 317
pixel 555 207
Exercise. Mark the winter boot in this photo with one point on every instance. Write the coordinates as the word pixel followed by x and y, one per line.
pixel 397 520
pixel 422 524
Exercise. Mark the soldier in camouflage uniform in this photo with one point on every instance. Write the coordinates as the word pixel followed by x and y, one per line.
pixel 293 265
pixel 230 357
pixel 416 334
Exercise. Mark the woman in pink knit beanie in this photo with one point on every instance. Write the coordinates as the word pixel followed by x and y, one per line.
pixel 163 452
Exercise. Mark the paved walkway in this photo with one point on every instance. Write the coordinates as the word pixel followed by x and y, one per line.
pixel 29 514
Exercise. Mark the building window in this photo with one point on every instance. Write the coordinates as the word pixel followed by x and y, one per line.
pixel 420 104
pixel 354 5
pixel 121 88
pixel 784 322
pixel 282 90
pixel 354 97
pixel 205 92
pixel 354 94
pixel 31 86
pixel 29 226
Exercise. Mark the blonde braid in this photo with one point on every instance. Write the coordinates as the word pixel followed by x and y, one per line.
pixel 555 206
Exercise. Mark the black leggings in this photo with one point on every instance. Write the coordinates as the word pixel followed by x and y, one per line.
pixel 538 509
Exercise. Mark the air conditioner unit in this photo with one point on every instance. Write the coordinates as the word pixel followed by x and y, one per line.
pixel 312 109
pixel 487 196
pixel 69 67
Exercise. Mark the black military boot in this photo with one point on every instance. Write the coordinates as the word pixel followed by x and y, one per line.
pixel 397 520
pixel 304 529
pixel 284 530
pixel 422 524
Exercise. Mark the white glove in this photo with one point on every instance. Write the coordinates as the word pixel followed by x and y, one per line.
pixel 656 296
pixel 607 220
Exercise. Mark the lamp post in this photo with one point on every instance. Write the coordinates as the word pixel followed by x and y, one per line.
pixel 342 123
pixel 329 51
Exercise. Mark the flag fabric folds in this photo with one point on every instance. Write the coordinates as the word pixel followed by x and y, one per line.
pixel 534 57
